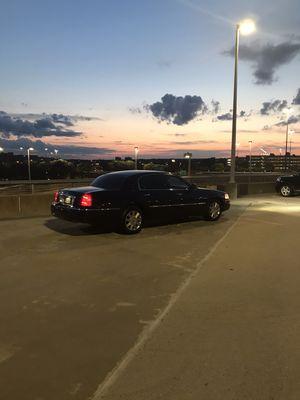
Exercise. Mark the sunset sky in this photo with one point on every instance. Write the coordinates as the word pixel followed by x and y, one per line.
pixel 89 77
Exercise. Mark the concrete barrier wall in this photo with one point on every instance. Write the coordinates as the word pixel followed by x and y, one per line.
pixel 243 189
pixel 27 205
pixel 9 207
pixel 38 205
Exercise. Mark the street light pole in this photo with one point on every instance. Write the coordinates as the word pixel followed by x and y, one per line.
pixel 245 27
pixel 136 150
pixel 29 168
pixel 250 159
pixel 290 137
pixel 189 157
pixel 286 145
pixel 234 108
pixel 28 162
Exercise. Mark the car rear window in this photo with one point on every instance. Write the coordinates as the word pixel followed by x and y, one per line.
pixel 110 181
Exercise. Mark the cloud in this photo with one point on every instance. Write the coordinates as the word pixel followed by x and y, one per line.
pixel 177 110
pixel 56 118
pixel 215 106
pixel 267 58
pixel 228 116
pixel 225 117
pixel 135 110
pixel 65 150
pixel 192 142
pixel 164 63
pixel 241 131
pixel 296 100
pixel 62 119
pixel 10 125
pixel 293 119
pixel 267 128
pixel 274 106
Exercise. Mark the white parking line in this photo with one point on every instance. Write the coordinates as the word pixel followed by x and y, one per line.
pixel 112 376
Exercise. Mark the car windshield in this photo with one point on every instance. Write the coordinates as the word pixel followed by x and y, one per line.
pixel 110 181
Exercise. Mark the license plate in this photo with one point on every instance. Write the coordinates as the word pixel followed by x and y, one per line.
pixel 68 200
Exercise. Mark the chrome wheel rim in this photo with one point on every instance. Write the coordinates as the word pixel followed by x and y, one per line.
pixel 285 191
pixel 133 220
pixel 214 210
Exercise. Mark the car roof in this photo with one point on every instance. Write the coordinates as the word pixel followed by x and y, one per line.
pixel 129 173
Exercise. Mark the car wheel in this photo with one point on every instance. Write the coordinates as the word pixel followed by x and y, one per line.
pixel 286 191
pixel 213 211
pixel 132 221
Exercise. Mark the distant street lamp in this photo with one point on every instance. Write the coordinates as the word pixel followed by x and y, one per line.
pixel 28 160
pixel 290 136
pixel 1 149
pixel 291 133
pixel 136 151
pixel 288 112
pixel 188 156
pixel 55 151
pixel 245 27
pixel 250 158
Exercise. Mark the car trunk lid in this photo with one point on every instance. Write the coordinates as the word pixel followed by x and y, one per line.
pixel 70 197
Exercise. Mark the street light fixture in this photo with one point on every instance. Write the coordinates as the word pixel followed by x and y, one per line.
pixel 245 27
pixel 136 151
pixel 1 149
pixel 188 156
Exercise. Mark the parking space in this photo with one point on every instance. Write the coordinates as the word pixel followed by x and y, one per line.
pixel 74 299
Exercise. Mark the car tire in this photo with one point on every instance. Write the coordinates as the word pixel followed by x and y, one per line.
pixel 286 191
pixel 132 221
pixel 214 211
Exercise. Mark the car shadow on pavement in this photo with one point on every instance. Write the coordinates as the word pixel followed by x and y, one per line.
pixel 80 229
pixel 76 229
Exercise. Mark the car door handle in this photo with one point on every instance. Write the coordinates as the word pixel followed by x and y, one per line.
pixel 147 195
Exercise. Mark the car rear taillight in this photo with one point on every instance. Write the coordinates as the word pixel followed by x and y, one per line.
pixel 56 197
pixel 86 200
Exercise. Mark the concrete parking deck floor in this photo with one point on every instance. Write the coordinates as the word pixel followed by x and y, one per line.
pixel 188 311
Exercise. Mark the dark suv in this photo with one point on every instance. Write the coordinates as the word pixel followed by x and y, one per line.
pixel 288 185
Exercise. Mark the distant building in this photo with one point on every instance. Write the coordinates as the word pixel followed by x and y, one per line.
pixel 274 163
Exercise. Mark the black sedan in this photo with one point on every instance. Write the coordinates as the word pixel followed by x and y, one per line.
pixel 128 198
pixel 288 185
